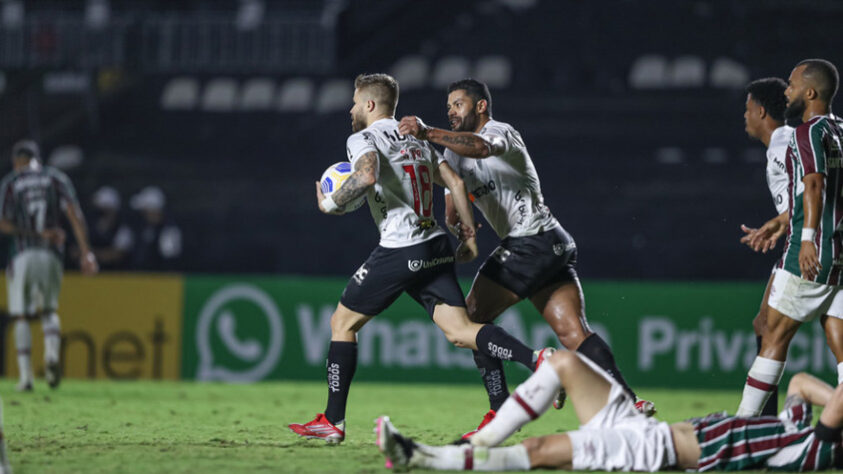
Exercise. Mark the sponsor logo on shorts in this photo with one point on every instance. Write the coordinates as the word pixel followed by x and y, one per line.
pixel 500 352
pixel 360 274
pixel 560 249
pixel 501 254
pixel 416 265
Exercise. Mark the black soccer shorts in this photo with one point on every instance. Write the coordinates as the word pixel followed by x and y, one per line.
pixel 525 265
pixel 425 271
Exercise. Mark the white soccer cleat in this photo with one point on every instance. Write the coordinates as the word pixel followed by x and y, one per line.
pixel 397 449
pixel 24 386
pixel 645 407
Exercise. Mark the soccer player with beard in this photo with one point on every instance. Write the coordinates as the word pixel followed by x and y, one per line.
pixel 536 258
pixel 806 283
pixel 397 173
pixel 764 120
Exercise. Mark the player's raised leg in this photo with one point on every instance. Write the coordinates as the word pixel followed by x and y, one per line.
pixel 488 339
pixel 341 365
pixel 767 369
pixel 587 389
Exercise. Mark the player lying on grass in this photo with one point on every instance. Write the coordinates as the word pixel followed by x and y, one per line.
pixel 613 436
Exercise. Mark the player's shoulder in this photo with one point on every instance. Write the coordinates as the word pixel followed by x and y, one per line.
pixel 54 173
pixel 496 126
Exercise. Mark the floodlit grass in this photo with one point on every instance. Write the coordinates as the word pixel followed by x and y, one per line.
pixel 155 427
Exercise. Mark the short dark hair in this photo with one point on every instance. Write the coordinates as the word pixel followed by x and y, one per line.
pixel 824 75
pixel 769 93
pixel 475 89
pixel 27 148
pixel 383 87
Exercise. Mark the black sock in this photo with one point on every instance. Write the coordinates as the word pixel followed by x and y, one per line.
pixel 494 342
pixel 342 362
pixel 771 408
pixel 494 379
pixel 596 349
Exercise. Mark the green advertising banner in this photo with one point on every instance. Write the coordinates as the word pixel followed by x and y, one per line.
pixel 663 334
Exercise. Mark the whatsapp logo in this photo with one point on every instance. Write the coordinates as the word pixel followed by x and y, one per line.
pixel 239 335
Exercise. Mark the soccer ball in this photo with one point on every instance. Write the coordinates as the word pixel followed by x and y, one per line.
pixel 332 179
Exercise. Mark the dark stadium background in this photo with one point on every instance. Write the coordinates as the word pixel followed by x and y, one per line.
pixel 631 110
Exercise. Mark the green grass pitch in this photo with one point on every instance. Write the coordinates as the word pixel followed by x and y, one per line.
pixel 155 427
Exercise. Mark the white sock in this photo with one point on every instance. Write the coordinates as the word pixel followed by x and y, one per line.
pixel 509 458
pixel 443 458
pixel 52 337
pixel 763 375
pixel 23 343
pixel 839 373
pixel 527 402
pixel 472 458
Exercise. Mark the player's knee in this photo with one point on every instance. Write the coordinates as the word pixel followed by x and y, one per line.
pixel 562 362
pixel 534 447
pixel 343 323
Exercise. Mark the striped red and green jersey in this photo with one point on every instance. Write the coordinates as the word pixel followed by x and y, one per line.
pixel 816 148
pixel 33 200
pixel 783 443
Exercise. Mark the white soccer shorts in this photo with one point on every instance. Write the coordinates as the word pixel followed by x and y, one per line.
pixel 803 300
pixel 619 438
pixel 33 281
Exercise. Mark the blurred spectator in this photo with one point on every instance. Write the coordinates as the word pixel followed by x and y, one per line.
pixel 159 245
pixel 111 237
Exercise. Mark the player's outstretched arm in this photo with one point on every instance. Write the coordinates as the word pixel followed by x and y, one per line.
pixel 365 176
pixel 467 144
pixel 87 261
pixel 812 202
pixel 446 176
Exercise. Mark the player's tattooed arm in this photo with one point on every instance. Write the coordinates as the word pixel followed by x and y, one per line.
pixel 467 144
pixel 365 175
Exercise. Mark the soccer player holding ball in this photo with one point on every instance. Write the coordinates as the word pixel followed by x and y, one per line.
pixel 536 258
pixel 396 174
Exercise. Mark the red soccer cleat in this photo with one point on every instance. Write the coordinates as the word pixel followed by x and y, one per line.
pixel 645 407
pixel 489 416
pixel 320 428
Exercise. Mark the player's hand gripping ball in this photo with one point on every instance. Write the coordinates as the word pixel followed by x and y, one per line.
pixel 334 177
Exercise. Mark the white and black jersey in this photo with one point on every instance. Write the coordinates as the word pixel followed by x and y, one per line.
pixel 776 168
pixel 505 187
pixel 401 201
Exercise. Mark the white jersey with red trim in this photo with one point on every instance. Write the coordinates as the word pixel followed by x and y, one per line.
pixel 401 201
pixel 776 168
pixel 505 187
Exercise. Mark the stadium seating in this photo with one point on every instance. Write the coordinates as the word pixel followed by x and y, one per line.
pixel 296 95
pixel 220 95
pixel 180 93
pixel 411 72
pixel 257 94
